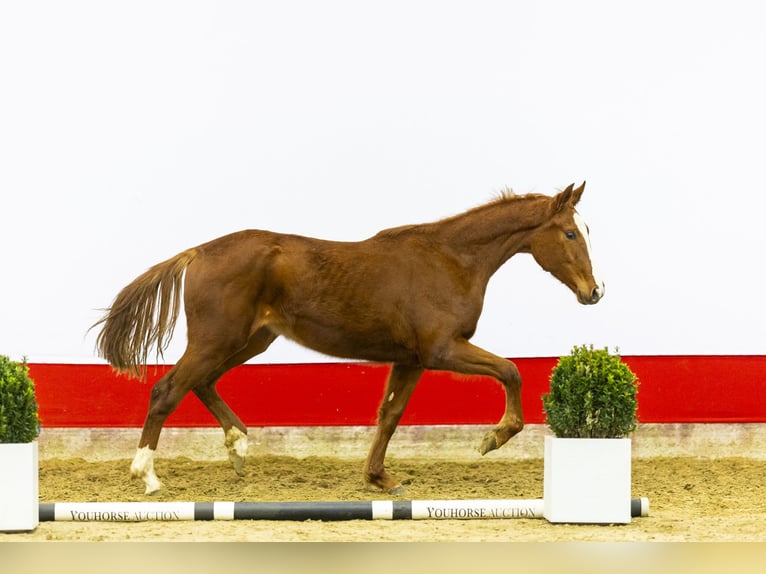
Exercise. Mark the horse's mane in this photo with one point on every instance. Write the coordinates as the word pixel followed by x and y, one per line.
pixel 504 196
pixel 508 195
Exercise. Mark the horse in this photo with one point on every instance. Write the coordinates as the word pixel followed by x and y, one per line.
pixel 409 296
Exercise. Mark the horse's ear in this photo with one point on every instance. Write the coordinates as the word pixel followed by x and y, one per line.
pixel 577 193
pixel 563 198
pixel 569 197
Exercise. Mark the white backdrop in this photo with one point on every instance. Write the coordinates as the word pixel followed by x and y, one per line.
pixel 132 130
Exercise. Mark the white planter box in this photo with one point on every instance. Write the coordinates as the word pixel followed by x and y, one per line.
pixel 587 480
pixel 19 487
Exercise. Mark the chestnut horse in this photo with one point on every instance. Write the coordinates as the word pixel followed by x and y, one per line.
pixel 410 296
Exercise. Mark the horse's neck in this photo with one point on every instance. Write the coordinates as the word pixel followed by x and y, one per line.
pixel 491 234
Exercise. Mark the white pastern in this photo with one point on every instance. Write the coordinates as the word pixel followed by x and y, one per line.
pixel 236 443
pixel 143 467
pixel 580 222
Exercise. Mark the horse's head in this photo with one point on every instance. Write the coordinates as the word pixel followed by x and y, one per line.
pixel 561 246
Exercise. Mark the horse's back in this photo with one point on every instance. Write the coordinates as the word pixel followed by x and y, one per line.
pixel 340 298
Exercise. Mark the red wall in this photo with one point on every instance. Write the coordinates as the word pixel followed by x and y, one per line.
pixel 673 389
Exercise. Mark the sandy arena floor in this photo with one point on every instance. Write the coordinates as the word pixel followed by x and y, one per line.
pixel 691 500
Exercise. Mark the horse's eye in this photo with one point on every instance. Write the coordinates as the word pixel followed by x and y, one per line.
pixel 571 235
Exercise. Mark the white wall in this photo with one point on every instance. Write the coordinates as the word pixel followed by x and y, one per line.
pixel 130 131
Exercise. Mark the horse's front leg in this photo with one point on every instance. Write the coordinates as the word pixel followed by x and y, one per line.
pixel 463 357
pixel 512 422
pixel 401 383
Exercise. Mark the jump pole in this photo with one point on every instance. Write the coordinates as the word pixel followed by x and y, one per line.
pixel 300 511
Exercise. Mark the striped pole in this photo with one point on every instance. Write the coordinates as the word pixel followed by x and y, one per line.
pixel 326 511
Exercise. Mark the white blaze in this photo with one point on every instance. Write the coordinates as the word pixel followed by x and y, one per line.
pixel 580 222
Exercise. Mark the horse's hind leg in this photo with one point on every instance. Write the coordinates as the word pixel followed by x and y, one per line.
pixel 165 396
pixel 194 369
pixel 234 429
pixel 401 383
pixel 235 432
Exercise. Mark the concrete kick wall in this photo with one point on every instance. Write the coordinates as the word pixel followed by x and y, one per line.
pixel 453 442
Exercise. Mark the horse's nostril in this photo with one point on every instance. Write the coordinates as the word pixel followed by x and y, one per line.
pixel 595 294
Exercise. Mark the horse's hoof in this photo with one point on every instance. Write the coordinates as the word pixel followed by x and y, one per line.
pixel 237 463
pixel 152 490
pixel 489 443
pixel 236 444
pixel 143 467
pixel 399 489
pixel 152 483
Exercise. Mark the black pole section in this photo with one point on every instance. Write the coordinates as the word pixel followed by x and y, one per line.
pixel 303 511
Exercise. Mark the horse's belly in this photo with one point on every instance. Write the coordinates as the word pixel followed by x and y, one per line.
pixel 365 345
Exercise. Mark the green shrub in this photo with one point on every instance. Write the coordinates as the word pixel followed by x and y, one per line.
pixel 19 421
pixel 592 395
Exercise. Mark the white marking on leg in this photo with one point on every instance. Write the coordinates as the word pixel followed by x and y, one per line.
pixel 143 467
pixel 580 222
pixel 236 443
pixel 390 397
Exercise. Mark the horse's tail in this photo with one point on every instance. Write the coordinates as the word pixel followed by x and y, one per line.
pixel 143 315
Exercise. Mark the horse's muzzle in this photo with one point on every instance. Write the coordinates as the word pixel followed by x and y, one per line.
pixel 593 297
